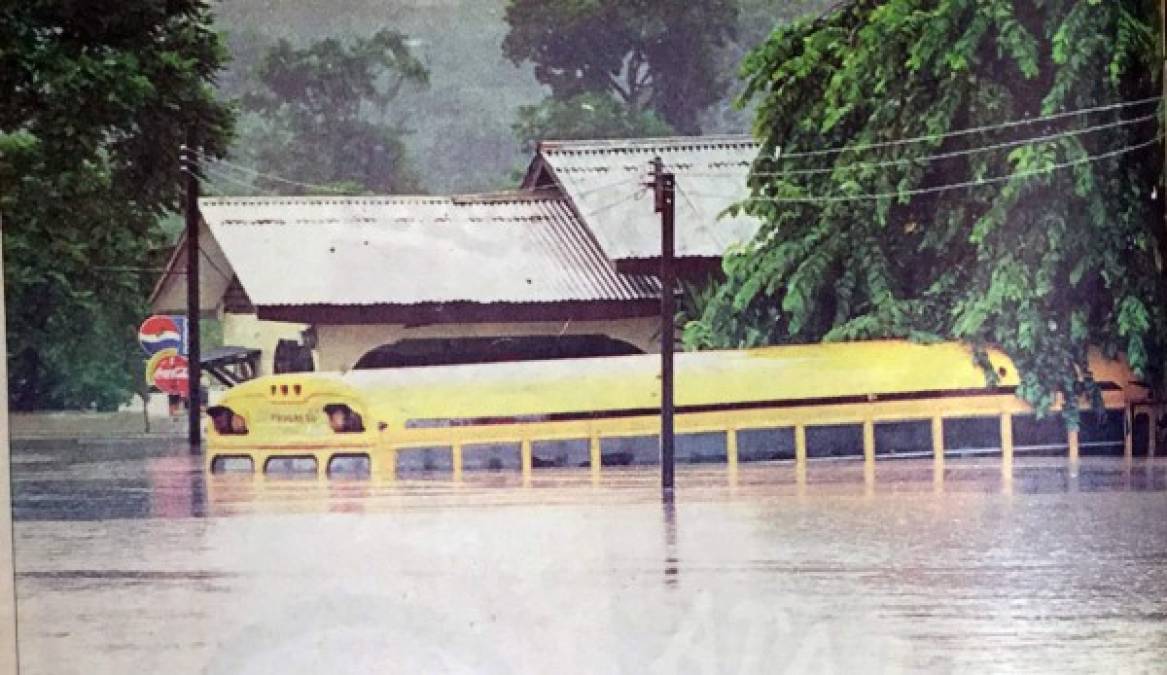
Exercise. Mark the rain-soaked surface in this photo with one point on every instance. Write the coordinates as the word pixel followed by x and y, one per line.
pixel 128 561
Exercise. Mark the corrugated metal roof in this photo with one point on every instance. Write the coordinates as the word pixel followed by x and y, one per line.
pixel 507 247
pixel 604 179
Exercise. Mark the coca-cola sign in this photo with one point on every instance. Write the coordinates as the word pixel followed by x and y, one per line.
pixel 171 375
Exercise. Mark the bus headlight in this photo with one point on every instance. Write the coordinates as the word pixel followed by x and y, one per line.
pixel 343 419
pixel 226 421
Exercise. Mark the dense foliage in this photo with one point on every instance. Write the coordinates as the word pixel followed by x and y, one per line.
pixel 97 98
pixel 322 114
pixel 586 116
pixel 1060 247
pixel 659 55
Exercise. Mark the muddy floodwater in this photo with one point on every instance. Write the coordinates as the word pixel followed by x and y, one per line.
pixel 130 561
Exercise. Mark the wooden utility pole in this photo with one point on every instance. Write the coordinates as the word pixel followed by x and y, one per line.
pixel 190 171
pixel 664 186
pixel 1163 100
pixel 8 594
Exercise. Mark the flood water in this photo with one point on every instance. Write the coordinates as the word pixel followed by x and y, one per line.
pixel 128 561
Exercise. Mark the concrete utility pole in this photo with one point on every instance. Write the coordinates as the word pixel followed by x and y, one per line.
pixel 664 186
pixel 190 171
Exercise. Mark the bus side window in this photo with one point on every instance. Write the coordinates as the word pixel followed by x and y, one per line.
pixel 630 450
pixel 349 466
pixel 909 437
pixel 491 456
pixel 299 466
pixel 834 440
pixel 426 460
pixel 965 434
pixel 1101 434
pixel 560 453
pixel 232 464
pixel 1045 436
pixel 701 448
pixel 761 445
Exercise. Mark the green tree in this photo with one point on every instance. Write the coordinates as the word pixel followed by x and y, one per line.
pixel 322 115
pixel 98 96
pixel 585 116
pixel 1057 249
pixel 658 55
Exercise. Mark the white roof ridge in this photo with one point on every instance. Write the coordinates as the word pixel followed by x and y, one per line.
pixel 487 198
pixel 663 142
pixel 285 200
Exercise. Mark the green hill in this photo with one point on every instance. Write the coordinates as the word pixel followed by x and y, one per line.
pixel 461 138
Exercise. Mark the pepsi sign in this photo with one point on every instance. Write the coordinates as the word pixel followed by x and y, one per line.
pixel 161 332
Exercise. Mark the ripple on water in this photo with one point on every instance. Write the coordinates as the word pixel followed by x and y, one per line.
pixel 136 563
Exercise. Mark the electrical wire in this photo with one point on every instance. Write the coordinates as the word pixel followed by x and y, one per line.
pixel 612 205
pixel 972 130
pixel 216 176
pixel 272 176
pixel 207 257
pixel 222 175
pixel 215 173
pixel 931 158
pixel 942 188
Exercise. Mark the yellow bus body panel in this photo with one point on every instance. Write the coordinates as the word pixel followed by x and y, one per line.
pixel 807 384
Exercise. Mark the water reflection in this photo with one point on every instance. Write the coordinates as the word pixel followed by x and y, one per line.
pixel 83 483
pixel 131 560
pixel 669 509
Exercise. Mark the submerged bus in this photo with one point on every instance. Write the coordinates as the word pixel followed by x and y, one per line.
pixel 870 400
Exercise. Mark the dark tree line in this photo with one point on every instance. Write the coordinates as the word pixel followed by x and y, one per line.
pixel 98 96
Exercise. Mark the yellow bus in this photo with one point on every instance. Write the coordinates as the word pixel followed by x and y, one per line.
pixel 869 400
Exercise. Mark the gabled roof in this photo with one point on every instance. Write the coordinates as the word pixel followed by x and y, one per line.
pixel 215 275
pixel 574 241
pixel 604 180
pixel 516 247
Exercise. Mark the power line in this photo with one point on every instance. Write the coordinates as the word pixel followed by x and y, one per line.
pixel 607 207
pixel 216 175
pixel 130 268
pixel 703 224
pixel 944 188
pixel 940 156
pixel 274 177
pixel 973 130
pixel 639 182
pixel 207 257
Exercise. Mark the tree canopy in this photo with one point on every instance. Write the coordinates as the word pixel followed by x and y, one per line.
pixel 322 114
pixel 586 116
pixel 919 177
pixel 98 97
pixel 658 55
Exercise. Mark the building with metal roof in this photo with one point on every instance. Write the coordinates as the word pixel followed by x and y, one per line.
pixel 562 266
pixel 605 182
pixel 364 270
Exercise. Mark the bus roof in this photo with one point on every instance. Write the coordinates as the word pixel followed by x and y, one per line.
pixel 784 373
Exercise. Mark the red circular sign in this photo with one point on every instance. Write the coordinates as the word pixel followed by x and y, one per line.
pixel 170 376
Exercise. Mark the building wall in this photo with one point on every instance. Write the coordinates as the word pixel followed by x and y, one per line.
pixel 247 330
pixel 339 347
